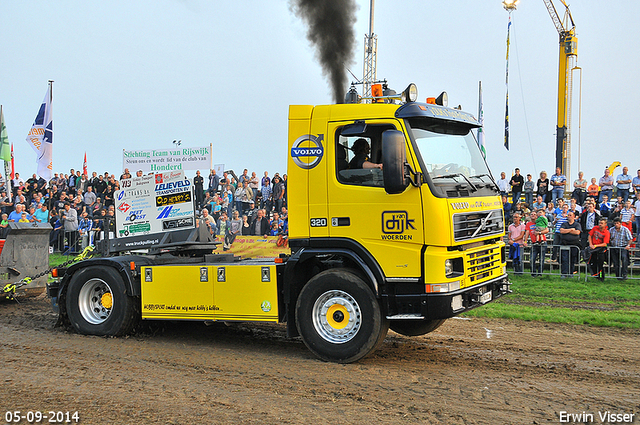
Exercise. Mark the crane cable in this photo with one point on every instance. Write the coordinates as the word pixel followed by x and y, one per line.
pixel 526 121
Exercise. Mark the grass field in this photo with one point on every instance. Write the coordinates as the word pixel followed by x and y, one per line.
pixel 551 299
pixel 611 303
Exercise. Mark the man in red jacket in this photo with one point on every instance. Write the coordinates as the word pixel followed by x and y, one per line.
pixel 598 241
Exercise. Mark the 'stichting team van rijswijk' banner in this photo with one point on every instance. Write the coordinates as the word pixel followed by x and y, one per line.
pixel 163 160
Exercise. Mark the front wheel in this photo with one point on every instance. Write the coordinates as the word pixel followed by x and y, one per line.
pixel 415 327
pixel 339 317
pixel 97 302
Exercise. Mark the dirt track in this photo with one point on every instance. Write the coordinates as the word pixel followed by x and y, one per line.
pixel 467 372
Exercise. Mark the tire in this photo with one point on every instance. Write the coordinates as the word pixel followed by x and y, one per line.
pixel 97 303
pixel 415 327
pixel 339 317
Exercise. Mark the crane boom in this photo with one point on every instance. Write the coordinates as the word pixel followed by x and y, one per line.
pixel 554 16
pixel 568 55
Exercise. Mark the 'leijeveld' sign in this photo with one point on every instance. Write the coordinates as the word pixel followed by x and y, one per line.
pixel 153 204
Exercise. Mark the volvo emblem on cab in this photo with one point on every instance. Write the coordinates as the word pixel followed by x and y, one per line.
pixel 307 151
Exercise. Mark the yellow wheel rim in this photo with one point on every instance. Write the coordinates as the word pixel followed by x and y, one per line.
pixel 337 316
pixel 106 300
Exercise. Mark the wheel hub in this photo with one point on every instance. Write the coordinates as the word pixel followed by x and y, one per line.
pixel 106 300
pixel 336 316
pixel 95 301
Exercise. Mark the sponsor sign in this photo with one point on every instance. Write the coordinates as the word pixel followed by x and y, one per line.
pixel 166 160
pixel 153 204
pixel 177 198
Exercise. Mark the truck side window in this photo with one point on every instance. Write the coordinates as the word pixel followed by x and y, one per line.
pixel 353 151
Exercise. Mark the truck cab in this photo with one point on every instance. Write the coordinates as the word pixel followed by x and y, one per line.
pixel 422 226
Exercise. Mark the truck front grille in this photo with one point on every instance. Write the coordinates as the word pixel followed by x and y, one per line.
pixel 477 224
pixel 481 264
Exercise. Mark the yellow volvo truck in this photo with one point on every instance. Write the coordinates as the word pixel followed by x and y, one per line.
pixel 394 222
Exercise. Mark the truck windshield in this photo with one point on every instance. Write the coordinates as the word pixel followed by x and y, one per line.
pixel 449 153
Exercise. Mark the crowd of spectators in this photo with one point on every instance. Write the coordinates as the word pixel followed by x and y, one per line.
pixel 246 205
pixel 81 208
pixel 597 221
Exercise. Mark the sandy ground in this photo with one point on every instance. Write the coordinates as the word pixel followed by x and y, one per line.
pixel 467 372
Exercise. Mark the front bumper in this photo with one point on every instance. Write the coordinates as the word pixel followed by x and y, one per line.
pixel 444 305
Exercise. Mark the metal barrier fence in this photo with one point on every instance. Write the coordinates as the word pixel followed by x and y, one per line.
pixel 555 256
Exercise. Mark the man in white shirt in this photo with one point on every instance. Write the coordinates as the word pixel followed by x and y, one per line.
pixel 623 182
pixel 503 184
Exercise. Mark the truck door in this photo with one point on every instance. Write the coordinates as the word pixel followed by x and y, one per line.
pixel 389 227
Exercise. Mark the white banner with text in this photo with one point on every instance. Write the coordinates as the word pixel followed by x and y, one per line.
pixel 163 160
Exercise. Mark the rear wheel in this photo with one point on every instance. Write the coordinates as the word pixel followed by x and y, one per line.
pixel 97 302
pixel 415 327
pixel 339 317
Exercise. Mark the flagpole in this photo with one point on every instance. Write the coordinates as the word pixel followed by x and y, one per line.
pixel 7 183
pixel 481 122
pixel 509 6
pixel 12 175
pixel 506 109
pixel 51 102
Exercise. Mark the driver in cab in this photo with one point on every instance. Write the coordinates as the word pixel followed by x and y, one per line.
pixel 361 158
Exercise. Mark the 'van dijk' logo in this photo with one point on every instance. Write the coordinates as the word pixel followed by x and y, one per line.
pixel 307 151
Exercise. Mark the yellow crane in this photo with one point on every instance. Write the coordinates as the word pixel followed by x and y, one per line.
pixel 568 56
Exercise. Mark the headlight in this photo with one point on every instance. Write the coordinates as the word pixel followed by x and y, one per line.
pixel 410 94
pixel 448 268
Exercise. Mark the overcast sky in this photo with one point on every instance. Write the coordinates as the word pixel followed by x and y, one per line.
pixel 139 74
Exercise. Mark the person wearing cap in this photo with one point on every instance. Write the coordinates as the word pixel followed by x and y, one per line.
pixel 251 211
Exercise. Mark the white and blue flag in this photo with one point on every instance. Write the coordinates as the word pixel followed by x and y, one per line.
pixel 41 137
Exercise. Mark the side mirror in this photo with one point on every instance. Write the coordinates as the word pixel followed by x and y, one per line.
pixel 393 160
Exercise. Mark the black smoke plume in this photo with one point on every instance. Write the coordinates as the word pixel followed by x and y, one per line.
pixel 331 32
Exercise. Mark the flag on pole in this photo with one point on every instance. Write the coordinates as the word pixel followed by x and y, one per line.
pixel 5 149
pixel 506 110
pixel 13 166
pixel 84 166
pixel 40 137
pixel 481 122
